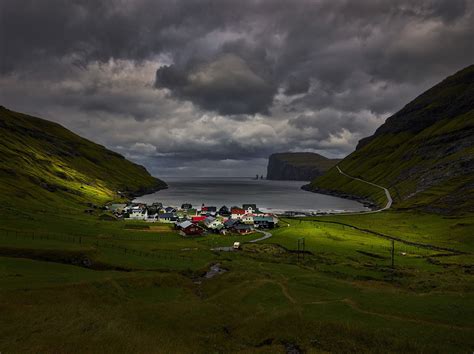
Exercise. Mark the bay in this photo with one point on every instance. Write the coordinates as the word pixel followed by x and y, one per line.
pixel 270 196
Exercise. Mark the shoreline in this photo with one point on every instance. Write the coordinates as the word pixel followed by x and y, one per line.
pixel 364 201
pixel 144 191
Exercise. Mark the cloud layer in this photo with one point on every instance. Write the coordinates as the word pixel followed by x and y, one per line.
pixel 214 87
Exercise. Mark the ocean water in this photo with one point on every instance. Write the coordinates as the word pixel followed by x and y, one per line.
pixel 271 196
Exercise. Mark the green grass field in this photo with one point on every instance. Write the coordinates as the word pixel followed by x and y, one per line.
pixel 73 284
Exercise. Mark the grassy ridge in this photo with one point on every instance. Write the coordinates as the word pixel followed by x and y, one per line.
pixel 427 165
pixel 42 164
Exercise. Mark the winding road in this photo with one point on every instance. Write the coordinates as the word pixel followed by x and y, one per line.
pixel 387 193
pixel 266 235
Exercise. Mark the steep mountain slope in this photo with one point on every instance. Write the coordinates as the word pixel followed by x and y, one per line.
pixel 424 154
pixel 45 166
pixel 298 166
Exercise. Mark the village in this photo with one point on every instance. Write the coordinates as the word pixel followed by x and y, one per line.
pixel 199 221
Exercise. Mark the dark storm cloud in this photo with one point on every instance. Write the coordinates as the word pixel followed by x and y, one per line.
pixel 222 80
pixel 226 85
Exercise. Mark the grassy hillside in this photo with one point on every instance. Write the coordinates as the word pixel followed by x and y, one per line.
pixel 424 154
pixel 301 166
pixel 44 166
pixel 116 290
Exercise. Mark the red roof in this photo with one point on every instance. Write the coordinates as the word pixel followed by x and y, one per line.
pixel 198 218
pixel 237 211
pixel 204 209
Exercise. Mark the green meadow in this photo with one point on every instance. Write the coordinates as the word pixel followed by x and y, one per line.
pixel 73 283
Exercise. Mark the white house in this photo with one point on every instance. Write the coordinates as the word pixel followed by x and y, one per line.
pixel 168 218
pixel 137 213
pixel 212 223
pixel 247 219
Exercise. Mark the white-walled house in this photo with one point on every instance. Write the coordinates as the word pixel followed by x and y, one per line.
pixel 168 218
pixel 247 219
pixel 212 223
pixel 137 213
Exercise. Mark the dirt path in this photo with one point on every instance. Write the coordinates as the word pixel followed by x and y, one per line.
pixel 265 236
pixel 286 291
pixel 353 305
pixel 356 307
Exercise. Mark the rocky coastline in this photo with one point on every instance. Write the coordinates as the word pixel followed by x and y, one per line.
pixel 365 201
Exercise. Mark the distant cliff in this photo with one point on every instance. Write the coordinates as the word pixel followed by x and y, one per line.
pixel 298 166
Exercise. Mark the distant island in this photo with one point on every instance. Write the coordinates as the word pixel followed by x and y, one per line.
pixel 298 166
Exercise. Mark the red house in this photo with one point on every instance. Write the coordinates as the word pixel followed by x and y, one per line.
pixel 196 219
pixel 192 230
pixel 237 213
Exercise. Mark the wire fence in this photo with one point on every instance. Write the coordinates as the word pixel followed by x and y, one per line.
pixel 399 246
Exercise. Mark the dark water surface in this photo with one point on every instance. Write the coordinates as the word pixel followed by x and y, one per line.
pixel 276 196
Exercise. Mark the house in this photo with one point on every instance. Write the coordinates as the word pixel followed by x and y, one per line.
pixel 247 219
pixel 184 224
pixel 237 213
pixel 192 230
pixel 186 206
pixel 224 211
pixel 213 223
pixel 137 213
pixel 230 223
pixel 243 229
pixel 197 219
pixel 170 210
pixel 250 208
pixel 168 218
pixel 208 210
pixel 265 222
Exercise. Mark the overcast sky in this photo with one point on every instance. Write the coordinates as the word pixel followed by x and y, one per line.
pixel 212 88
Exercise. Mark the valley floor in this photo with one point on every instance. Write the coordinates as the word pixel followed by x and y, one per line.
pixel 75 284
